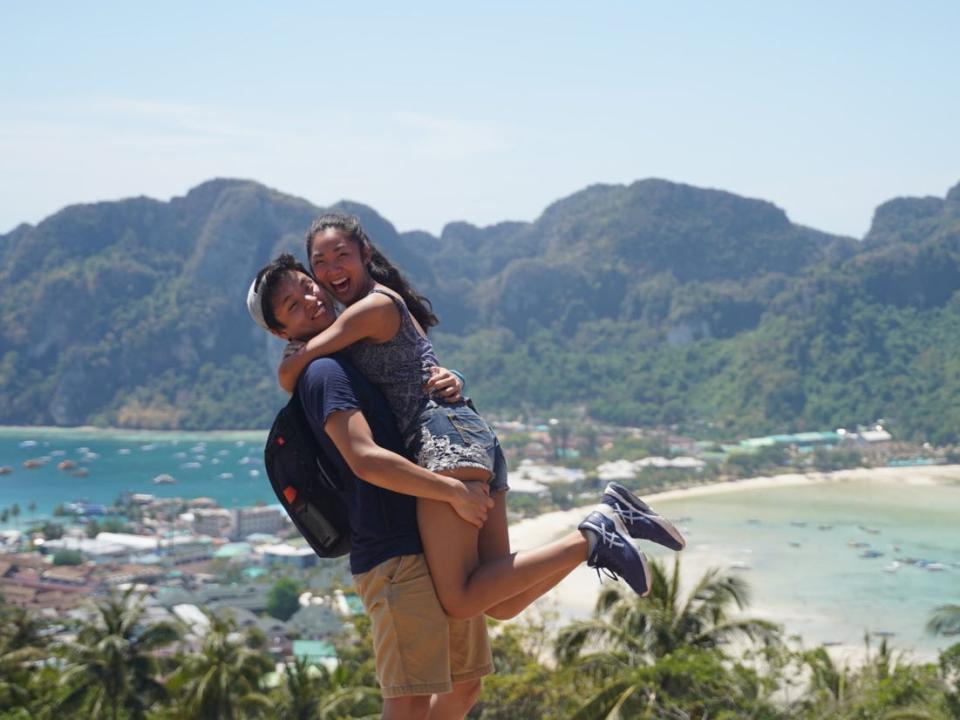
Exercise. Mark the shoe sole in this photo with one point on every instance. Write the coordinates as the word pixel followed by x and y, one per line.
pixel 641 506
pixel 646 573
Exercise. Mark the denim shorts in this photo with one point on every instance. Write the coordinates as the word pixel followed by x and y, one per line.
pixel 450 436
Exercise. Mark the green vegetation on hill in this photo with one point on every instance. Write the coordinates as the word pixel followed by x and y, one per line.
pixel 653 303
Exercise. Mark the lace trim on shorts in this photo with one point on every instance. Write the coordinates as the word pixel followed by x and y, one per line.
pixel 437 453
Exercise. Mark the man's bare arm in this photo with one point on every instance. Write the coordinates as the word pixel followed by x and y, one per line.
pixel 352 435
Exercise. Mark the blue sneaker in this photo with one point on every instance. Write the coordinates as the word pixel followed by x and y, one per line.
pixel 640 520
pixel 614 553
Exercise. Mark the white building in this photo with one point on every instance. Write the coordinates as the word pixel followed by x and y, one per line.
pixel 215 523
pixel 257 520
pixel 283 554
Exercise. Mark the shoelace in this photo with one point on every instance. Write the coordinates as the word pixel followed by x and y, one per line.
pixel 606 571
pixel 610 538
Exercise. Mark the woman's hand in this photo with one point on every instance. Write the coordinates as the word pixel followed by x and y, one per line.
pixel 444 384
pixel 472 504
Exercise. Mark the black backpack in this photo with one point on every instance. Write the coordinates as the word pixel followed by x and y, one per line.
pixel 305 482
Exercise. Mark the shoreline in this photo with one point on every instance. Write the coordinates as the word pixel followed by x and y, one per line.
pixel 915 475
pixel 918 475
pixel 126 434
pixel 575 597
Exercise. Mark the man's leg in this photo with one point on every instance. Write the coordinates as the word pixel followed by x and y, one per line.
pixel 455 704
pixel 470 659
pixel 407 707
pixel 410 632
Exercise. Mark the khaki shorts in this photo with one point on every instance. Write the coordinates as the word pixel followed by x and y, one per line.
pixel 419 650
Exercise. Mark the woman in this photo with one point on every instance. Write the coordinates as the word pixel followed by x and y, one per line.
pixel 383 329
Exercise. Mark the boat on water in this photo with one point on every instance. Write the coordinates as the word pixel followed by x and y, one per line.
pixel 164 479
pixel 5 470
pixel 798 523
pixel 80 472
pixel 892 567
pixel 33 464
pixel 871 530
pixel 871 554
pixel 857 544
pixel 824 527
pixel 935 567
pixel 739 565
pixel 66 465
pixel 794 544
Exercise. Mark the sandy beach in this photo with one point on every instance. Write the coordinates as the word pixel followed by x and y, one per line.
pixel 533 531
pixel 575 596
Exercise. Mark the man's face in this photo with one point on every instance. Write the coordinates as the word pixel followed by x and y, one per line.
pixel 302 306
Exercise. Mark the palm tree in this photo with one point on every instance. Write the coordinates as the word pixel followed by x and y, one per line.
pixel 111 671
pixel 880 687
pixel 310 692
pixel 643 629
pixel 648 652
pixel 223 680
pixel 21 642
pixel 945 620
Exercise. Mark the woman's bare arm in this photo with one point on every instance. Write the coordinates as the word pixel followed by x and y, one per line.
pixel 373 318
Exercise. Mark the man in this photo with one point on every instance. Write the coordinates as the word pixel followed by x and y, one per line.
pixel 428 665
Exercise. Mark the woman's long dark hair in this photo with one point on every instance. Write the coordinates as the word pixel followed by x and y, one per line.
pixel 380 269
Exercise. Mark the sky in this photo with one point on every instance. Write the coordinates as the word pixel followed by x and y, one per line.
pixel 483 112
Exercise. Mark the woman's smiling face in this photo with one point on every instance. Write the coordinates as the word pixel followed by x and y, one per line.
pixel 339 264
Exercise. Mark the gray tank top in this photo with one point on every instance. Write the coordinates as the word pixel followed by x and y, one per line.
pixel 399 366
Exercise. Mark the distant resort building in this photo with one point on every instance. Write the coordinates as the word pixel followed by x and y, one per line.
pixel 316 652
pixel 213 522
pixel 283 554
pixel 533 477
pixel 257 520
pixel 113 547
pixel 628 470
pixel 804 441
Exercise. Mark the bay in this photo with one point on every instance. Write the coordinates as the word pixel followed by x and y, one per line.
pixel 225 466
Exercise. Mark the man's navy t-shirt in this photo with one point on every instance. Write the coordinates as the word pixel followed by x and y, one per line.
pixel 383 523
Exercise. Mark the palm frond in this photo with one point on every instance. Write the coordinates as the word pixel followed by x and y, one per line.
pixel 945 620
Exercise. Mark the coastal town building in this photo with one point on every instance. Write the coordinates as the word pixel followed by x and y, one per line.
pixel 257 520
pixel 283 554
pixel 215 522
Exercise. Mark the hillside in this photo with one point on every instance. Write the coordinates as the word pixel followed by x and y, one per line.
pixel 653 303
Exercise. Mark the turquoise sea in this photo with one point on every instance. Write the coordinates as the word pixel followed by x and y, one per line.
pixel 833 561
pixel 801 548
pixel 226 466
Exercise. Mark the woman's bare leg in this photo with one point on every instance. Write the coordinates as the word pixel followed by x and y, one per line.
pixel 494 543
pixel 467 588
